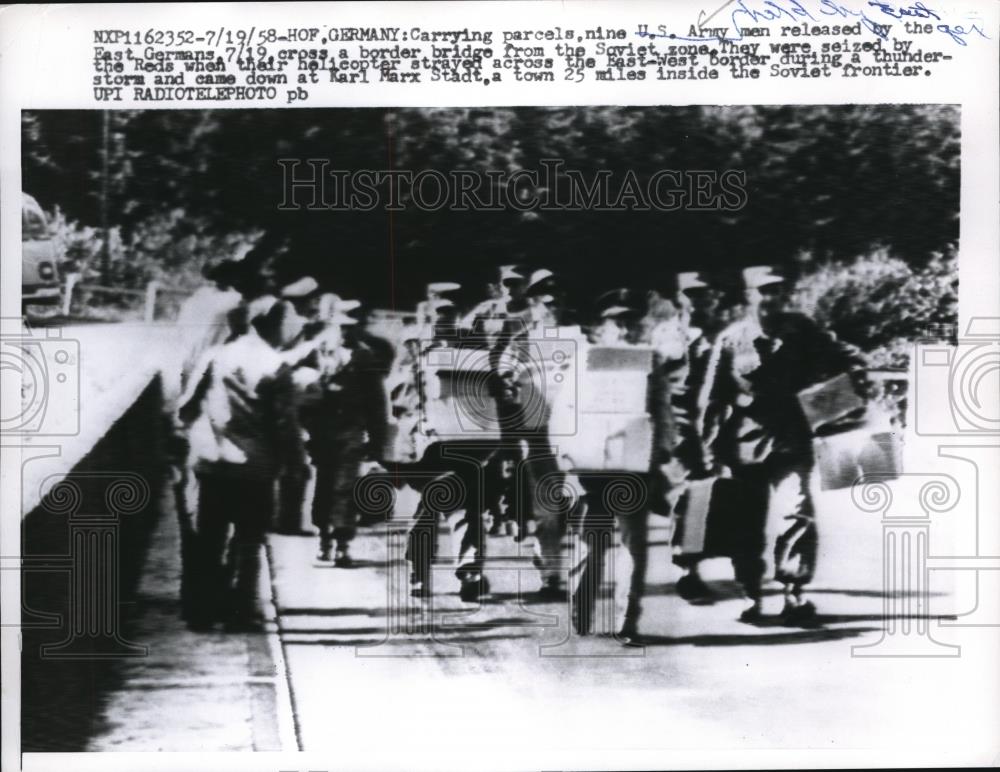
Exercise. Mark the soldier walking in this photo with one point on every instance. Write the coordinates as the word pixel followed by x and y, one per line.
pixel 233 412
pixel 523 411
pixel 614 509
pixel 345 411
pixel 757 369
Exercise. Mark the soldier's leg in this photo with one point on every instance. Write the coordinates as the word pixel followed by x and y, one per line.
pixel 420 548
pixel 588 568
pixel 749 539
pixel 494 494
pixel 251 520
pixel 292 491
pixel 472 551
pixel 215 499
pixel 691 521
pixel 548 502
pixel 322 507
pixel 344 512
pixel 467 466
pixel 796 548
pixel 635 538
pixel 550 553
pixel 181 484
pixel 472 554
pixel 611 549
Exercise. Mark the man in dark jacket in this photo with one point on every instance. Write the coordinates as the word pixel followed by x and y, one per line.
pixel 758 367
pixel 345 411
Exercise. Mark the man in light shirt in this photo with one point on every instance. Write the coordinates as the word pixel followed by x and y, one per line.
pixel 234 412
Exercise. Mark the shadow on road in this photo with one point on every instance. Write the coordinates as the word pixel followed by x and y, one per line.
pixel 767 639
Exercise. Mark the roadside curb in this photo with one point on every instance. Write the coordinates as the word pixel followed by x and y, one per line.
pixel 274 725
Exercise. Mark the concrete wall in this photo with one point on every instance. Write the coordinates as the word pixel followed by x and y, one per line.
pixel 83 547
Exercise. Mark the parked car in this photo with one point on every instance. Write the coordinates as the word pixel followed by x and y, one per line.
pixel 40 257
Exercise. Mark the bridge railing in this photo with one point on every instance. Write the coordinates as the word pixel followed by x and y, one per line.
pixel 151 297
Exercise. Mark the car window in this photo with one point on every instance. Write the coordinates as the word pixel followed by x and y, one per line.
pixel 33 224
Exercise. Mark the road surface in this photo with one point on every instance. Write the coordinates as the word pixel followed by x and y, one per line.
pixel 504 678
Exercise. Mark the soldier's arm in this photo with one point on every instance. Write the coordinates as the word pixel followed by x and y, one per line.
pixel 277 402
pixel 831 356
pixel 711 406
pixel 378 413
pixel 189 405
pixel 503 341
pixel 711 385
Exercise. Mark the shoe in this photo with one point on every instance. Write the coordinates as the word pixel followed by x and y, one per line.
pixel 553 592
pixel 751 615
pixel 325 554
pixel 467 572
pixel 343 560
pixel 474 590
pixel 629 636
pixel 798 614
pixel 693 587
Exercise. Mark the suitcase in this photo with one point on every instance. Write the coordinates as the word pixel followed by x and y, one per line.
pixel 603 425
pixel 841 459
pixel 712 522
pixel 830 402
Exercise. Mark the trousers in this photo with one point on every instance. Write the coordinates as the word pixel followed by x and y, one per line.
pixel 338 467
pixel 227 568
pixel 789 476
pixel 610 548
pixel 292 484
pixel 452 477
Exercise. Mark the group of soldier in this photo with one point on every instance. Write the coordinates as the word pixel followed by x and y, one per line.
pixel 292 381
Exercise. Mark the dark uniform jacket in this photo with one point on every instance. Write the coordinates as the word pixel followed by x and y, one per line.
pixel 751 397
pixel 353 401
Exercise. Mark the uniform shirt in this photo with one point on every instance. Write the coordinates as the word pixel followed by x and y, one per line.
pixel 351 399
pixel 487 318
pixel 669 340
pixel 202 322
pixel 236 407
pixel 796 354
pixel 750 392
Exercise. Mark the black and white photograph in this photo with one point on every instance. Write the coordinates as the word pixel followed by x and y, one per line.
pixel 514 437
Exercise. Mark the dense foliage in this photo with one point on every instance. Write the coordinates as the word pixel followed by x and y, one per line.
pixel 824 185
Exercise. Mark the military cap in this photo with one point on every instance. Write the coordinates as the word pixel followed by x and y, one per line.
pixel 757 276
pixel 613 311
pixel 689 280
pixel 333 309
pixel 439 287
pixel 300 288
pixel 615 297
pixel 539 277
pixel 509 273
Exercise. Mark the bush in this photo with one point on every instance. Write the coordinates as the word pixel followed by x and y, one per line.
pixel 881 304
pixel 170 247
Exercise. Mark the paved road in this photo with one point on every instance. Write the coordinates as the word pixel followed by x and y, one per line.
pixel 494 679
